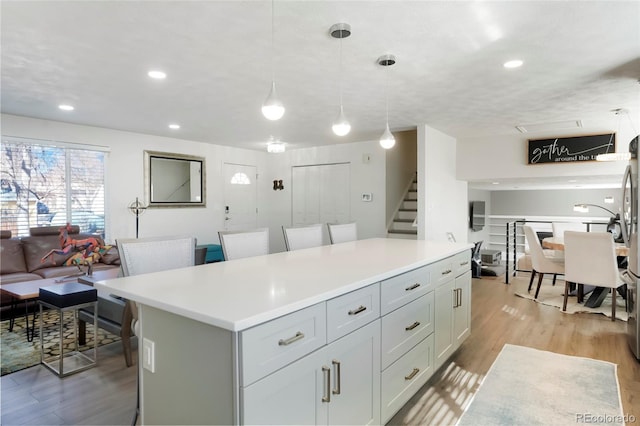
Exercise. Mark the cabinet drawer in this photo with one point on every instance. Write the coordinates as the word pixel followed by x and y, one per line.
pixel 462 262
pixel 403 328
pixel 442 271
pixel 404 288
pixel 402 379
pixel 351 311
pixel 274 344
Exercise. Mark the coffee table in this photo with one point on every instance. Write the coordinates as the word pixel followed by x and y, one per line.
pixel 28 292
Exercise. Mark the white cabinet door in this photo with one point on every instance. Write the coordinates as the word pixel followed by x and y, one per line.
pixel 444 340
pixel 290 396
pixel 338 384
pixel 355 377
pixel 462 310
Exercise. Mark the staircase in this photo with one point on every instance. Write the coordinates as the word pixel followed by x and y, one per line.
pixel 402 225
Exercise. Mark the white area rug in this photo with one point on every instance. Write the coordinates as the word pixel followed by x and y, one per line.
pixel 554 295
pixel 527 386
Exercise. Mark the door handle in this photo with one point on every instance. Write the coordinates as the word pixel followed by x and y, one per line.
pixel 336 391
pixel 326 371
pixel 285 342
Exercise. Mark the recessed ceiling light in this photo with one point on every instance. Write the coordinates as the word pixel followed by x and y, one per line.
pixel 158 75
pixel 495 183
pixel 572 180
pixel 174 126
pixel 513 64
pixel 66 107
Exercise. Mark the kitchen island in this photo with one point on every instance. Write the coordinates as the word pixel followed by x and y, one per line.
pixel 339 334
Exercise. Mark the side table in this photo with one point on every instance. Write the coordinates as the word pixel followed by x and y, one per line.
pixel 63 298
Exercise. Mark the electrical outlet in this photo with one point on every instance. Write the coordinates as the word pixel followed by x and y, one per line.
pixel 149 355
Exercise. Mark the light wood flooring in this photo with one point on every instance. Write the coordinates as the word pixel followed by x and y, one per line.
pixel 106 394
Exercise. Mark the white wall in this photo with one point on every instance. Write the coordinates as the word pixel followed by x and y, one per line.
pixel 366 177
pixel 125 180
pixel 125 177
pixel 505 156
pixel 442 198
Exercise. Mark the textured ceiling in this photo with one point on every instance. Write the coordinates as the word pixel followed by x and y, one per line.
pixel 582 59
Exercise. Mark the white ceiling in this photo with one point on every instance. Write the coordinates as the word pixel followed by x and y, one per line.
pixel 581 60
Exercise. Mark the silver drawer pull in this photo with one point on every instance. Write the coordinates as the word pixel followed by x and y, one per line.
pixel 284 342
pixel 464 263
pixel 448 271
pixel 412 374
pixel 326 371
pixel 357 311
pixel 413 287
pixel 412 326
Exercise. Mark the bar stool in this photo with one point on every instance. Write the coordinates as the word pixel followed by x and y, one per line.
pixel 63 298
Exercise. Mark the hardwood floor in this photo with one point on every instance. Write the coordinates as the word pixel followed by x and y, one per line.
pixel 106 394
pixel 499 317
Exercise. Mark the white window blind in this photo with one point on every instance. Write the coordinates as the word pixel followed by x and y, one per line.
pixel 51 185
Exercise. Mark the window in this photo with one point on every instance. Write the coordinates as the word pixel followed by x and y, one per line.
pixel 45 183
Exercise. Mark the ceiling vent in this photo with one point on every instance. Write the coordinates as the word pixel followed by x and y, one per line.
pixel 543 127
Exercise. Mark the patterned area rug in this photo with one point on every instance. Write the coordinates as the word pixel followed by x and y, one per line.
pixel 526 386
pixel 553 295
pixel 17 353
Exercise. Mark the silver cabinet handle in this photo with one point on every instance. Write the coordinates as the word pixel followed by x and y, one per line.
pixel 412 326
pixel 413 287
pixel 336 391
pixel 455 297
pixel 466 262
pixel 326 371
pixel 412 374
pixel 357 311
pixel 284 342
pixel 448 271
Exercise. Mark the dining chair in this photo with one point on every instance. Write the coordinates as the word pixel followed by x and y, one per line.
pixel 541 263
pixel 590 258
pixel 239 244
pixel 301 237
pixel 342 233
pixel 146 255
pixel 558 228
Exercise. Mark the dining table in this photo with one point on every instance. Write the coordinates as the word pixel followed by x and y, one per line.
pixel 598 294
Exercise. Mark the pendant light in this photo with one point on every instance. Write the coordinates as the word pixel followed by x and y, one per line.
pixel 272 108
pixel 387 140
pixel 341 126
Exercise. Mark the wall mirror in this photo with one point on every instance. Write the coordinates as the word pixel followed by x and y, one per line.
pixel 174 180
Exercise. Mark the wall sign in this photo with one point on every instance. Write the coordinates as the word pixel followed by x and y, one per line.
pixel 569 150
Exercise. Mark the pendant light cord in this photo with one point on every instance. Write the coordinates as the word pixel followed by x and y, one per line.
pixel 273 50
pixel 386 91
pixel 340 70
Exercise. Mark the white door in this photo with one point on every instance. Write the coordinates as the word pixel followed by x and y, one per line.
pixel 240 197
pixel 321 194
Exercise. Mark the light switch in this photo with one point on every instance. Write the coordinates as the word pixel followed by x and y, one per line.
pixel 149 355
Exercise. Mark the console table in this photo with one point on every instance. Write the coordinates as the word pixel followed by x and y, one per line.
pixel 338 334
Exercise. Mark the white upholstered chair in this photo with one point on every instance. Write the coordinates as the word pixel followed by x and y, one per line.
pixel 541 263
pixel 559 228
pixel 341 233
pixel 239 244
pixel 146 255
pixel 301 237
pixel 590 258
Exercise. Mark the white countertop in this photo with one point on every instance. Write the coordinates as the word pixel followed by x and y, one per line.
pixel 239 294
